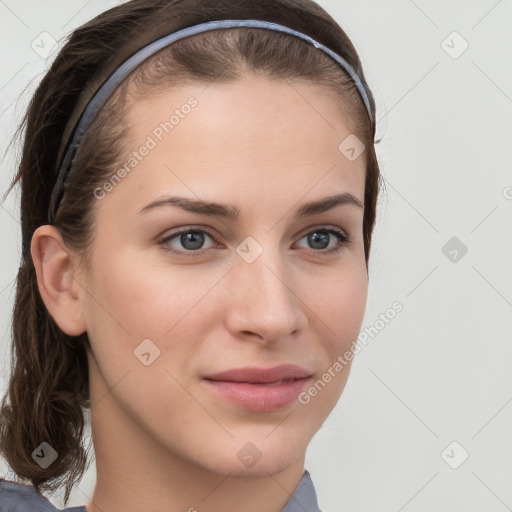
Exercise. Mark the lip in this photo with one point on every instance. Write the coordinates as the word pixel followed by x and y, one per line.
pixel 260 389
pixel 254 375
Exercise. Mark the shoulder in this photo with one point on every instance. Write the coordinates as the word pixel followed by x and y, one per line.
pixel 18 497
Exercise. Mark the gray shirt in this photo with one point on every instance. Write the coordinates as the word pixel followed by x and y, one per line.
pixel 17 497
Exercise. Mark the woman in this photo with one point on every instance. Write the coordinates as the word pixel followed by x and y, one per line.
pixel 197 213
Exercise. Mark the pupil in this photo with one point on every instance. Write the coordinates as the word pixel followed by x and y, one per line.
pixel 192 237
pixel 316 237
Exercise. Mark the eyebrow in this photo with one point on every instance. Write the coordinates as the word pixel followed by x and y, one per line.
pixel 232 212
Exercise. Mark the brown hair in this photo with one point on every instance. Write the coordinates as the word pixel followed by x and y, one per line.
pixel 49 383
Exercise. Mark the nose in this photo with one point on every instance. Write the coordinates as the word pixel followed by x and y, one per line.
pixel 264 299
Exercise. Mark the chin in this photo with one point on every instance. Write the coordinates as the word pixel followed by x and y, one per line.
pixel 256 456
pixel 269 465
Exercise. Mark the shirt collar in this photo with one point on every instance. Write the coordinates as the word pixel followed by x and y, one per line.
pixel 304 497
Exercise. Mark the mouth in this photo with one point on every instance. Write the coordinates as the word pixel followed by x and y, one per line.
pixel 260 389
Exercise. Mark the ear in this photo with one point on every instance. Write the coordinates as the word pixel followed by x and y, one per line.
pixel 57 280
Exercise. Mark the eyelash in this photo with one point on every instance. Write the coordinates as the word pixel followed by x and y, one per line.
pixel 342 237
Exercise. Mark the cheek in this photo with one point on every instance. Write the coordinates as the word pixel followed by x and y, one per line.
pixel 135 300
pixel 338 312
pixel 131 301
pixel 148 299
pixel 340 304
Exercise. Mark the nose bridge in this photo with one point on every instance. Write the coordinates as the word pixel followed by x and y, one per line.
pixel 265 301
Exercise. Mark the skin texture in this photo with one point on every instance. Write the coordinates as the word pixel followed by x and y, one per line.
pixel 162 439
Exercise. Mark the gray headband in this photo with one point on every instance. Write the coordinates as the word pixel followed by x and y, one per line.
pixel 110 85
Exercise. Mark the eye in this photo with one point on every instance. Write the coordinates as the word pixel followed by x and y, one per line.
pixel 319 239
pixel 190 239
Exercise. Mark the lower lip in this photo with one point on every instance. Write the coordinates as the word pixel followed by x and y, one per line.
pixel 259 397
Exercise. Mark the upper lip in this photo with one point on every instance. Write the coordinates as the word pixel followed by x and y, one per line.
pixel 255 375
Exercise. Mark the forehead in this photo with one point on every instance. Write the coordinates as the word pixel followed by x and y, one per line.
pixel 255 135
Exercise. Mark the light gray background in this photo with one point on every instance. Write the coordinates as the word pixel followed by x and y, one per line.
pixel 441 370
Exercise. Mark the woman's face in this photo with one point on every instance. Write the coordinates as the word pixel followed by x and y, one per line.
pixel 258 289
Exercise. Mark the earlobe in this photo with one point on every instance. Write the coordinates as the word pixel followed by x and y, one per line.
pixel 57 281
